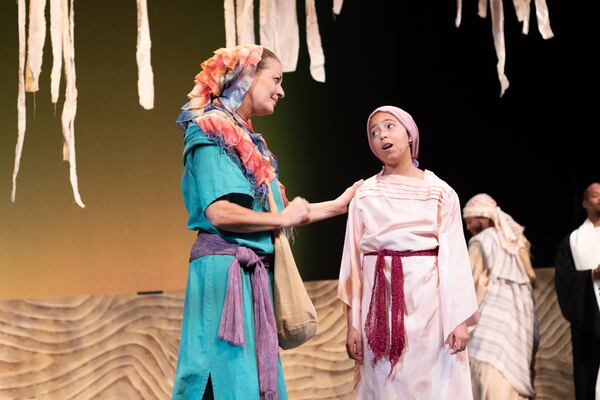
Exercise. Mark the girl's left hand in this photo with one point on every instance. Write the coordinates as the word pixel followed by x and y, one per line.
pixel 458 339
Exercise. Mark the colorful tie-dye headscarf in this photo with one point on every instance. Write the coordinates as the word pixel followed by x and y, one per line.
pixel 408 122
pixel 218 93
pixel 226 76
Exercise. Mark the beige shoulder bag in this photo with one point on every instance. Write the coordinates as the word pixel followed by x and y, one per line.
pixel 294 311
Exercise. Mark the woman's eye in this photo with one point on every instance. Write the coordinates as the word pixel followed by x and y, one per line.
pixel 390 125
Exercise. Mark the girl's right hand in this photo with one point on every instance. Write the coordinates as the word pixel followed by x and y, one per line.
pixel 354 346
pixel 296 212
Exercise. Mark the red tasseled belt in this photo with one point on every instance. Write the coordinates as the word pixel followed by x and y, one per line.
pixel 376 328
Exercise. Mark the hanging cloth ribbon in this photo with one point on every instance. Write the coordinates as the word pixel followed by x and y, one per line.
pixel 313 41
pixel 142 56
pixel 279 31
pixel 21 110
pixel 523 10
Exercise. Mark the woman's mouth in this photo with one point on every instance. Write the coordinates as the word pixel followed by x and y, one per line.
pixel 387 146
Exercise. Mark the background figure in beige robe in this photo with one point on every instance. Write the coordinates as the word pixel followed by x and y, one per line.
pixel 502 346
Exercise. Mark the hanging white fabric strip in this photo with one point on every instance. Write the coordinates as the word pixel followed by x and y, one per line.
pixel 56 38
pixel 279 31
pixel 498 32
pixel 21 111
pixel 244 20
pixel 337 6
pixel 458 18
pixel 228 8
pixel 523 10
pixel 35 44
pixel 543 21
pixel 142 55
pixel 70 104
pixel 482 8
pixel 313 41
pixel 68 75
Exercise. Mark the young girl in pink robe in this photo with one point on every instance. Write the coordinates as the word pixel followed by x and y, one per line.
pixel 405 276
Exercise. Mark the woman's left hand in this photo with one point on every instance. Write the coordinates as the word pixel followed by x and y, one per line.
pixel 331 208
pixel 344 199
pixel 458 339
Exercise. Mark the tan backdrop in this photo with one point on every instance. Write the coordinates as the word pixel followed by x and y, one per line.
pixel 132 235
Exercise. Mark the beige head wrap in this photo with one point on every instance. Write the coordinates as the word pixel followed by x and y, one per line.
pixel 511 233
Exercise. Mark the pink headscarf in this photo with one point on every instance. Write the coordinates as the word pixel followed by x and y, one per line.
pixel 407 121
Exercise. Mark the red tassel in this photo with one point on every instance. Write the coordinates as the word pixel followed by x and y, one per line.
pixel 376 329
pixel 376 324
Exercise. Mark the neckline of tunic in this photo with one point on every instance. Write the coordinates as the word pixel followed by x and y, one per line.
pixel 403 179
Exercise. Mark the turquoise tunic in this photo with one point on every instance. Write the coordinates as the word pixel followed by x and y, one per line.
pixel 209 174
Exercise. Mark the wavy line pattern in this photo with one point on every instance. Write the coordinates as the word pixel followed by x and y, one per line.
pixel 90 347
pixel 125 347
pixel 554 359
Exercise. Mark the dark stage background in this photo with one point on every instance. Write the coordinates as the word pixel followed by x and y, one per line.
pixel 534 150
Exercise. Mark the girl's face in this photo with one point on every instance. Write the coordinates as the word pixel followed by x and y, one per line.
pixel 265 92
pixel 388 138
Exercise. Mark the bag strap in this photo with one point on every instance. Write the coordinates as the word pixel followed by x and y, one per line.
pixel 273 209
pixel 271 201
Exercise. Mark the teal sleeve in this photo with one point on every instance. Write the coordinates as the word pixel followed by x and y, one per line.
pixel 210 174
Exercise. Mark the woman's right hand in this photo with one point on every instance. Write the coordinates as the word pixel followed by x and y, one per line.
pixel 297 212
pixel 354 346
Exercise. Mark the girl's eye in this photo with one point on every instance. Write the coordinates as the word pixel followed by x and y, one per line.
pixel 373 133
pixel 390 125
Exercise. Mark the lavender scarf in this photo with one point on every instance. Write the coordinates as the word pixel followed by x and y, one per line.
pixel 231 328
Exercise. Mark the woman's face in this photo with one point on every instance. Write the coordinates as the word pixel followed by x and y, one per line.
pixel 265 92
pixel 388 138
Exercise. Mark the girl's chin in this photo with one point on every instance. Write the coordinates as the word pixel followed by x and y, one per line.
pixel 389 159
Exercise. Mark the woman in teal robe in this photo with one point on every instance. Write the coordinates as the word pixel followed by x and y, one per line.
pixel 228 173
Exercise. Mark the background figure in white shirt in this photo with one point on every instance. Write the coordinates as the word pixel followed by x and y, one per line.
pixel 578 291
